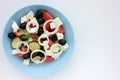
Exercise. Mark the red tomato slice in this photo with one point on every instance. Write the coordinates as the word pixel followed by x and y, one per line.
pixel 49 59
pixel 35 39
pixel 18 33
pixel 23 49
pixel 47 15
pixel 48 27
pixel 50 42
pixel 61 29
pixel 41 25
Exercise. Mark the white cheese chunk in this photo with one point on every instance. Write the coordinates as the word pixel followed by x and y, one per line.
pixel 65 47
pixel 14 51
pixel 30 15
pixel 15 27
pixel 46 46
pixel 60 36
pixel 48 53
pixel 58 22
pixel 26 61
pixel 45 42
pixel 52 25
pixel 24 19
pixel 55 56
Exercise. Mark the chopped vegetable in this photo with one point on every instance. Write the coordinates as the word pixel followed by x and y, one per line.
pixel 34 45
pixel 47 15
pixel 15 41
pixel 49 59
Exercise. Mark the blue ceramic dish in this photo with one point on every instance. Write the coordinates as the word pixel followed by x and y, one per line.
pixel 44 68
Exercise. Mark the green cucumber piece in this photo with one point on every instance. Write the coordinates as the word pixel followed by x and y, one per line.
pixel 25 37
pixel 33 45
pixel 15 41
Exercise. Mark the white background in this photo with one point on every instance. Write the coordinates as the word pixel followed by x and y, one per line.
pixel 96 25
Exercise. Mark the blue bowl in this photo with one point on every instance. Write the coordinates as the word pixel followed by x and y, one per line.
pixel 44 68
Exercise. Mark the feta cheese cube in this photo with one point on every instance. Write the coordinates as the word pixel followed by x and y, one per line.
pixel 45 43
pixel 26 61
pixel 55 56
pixel 60 36
pixel 46 46
pixel 65 47
pixel 52 25
pixel 24 19
pixel 15 27
pixel 30 15
pixel 14 51
pixel 58 22
pixel 48 52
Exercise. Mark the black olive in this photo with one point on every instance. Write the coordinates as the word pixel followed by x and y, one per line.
pixel 62 41
pixel 54 37
pixel 44 39
pixel 42 48
pixel 41 21
pixel 23 25
pixel 11 35
pixel 39 14
pixel 40 31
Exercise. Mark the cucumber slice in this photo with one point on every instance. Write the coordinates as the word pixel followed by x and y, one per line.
pixel 34 46
pixel 15 41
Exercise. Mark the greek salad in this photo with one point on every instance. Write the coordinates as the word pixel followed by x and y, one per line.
pixel 38 38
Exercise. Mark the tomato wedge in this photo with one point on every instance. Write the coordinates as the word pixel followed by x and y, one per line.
pixel 47 15
pixel 49 59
